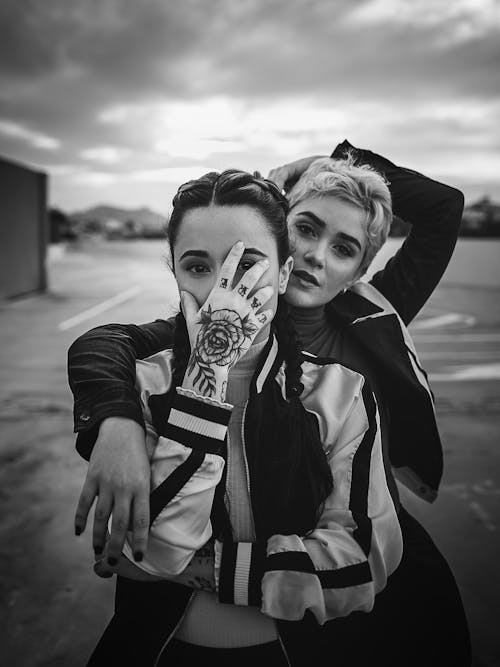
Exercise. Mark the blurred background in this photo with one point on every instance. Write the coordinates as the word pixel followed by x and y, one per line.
pixel 106 107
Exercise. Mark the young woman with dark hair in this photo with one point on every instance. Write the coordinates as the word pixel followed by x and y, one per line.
pixel 341 210
pixel 270 512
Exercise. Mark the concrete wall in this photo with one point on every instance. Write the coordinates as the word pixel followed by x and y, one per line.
pixel 23 230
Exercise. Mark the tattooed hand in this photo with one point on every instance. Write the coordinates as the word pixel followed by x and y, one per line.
pixel 223 329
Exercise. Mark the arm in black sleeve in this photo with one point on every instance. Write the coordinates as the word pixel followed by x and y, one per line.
pixel 101 373
pixel 434 211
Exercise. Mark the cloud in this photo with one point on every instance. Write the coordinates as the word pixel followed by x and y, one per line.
pixel 105 154
pixel 98 91
pixel 36 139
pixel 456 22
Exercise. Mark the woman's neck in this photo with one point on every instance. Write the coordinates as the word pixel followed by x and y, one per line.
pixel 307 315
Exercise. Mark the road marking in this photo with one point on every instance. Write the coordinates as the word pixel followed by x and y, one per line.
pixel 100 308
pixel 485 355
pixel 443 321
pixel 483 516
pixel 467 373
pixel 458 338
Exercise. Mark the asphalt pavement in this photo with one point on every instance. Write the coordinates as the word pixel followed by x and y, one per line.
pixel 53 606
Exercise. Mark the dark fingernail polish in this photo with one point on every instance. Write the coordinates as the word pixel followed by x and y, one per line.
pixel 98 551
pixel 78 530
pixel 112 561
pixel 138 556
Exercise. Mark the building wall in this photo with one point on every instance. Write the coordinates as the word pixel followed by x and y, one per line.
pixel 23 230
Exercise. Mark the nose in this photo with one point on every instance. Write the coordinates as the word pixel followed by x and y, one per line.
pixel 315 256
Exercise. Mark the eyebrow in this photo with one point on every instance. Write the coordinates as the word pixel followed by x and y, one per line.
pixel 204 254
pixel 321 223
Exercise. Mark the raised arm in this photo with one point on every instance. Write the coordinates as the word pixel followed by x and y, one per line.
pixel 434 211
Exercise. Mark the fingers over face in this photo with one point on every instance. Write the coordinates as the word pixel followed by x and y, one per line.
pixel 261 297
pixel 264 317
pixel 230 266
pixel 251 277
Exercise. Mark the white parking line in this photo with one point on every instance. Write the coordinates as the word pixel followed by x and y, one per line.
pixel 458 338
pixel 99 308
pixel 456 355
pixel 483 516
pixel 467 373
pixel 443 320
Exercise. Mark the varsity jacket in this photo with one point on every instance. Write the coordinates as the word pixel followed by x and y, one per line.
pixel 337 568
pixel 302 581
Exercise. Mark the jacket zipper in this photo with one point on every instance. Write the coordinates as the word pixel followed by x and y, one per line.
pixel 247 472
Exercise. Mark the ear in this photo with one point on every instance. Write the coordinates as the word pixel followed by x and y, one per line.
pixel 284 275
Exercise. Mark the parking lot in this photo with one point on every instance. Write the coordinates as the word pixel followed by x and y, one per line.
pixel 54 607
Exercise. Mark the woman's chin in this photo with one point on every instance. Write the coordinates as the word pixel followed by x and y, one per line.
pixel 298 298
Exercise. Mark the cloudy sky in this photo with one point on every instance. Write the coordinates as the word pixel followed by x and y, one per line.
pixel 120 101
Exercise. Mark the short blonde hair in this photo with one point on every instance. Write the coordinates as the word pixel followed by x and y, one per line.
pixel 360 185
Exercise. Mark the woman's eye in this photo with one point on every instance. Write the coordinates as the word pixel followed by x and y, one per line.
pixel 305 230
pixel 343 250
pixel 246 264
pixel 197 268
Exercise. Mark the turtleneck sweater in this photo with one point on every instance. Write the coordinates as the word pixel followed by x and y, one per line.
pixel 207 622
pixel 320 335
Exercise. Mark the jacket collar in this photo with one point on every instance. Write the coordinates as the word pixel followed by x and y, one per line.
pixel 359 302
pixel 268 363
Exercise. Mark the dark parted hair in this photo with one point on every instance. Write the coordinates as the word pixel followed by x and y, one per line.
pixel 307 477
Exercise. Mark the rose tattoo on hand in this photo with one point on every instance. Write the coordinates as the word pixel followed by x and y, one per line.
pixel 224 328
pixel 222 339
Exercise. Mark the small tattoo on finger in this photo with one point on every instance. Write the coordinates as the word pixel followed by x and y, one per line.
pixel 223 283
pixel 255 303
pixel 242 290
pixel 262 318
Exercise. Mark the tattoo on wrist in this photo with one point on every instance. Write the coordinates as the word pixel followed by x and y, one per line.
pixel 221 341
pixel 223 391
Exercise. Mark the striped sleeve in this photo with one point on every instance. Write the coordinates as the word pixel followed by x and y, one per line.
pixel 197 421
pixel 185 469
pixel 345 561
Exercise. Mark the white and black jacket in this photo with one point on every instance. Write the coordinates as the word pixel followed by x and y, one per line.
pixel 357 544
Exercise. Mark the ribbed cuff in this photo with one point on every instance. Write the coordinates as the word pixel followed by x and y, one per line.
pixel 197 422
pixel 239 568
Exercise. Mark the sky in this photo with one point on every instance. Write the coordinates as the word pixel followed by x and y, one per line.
pixel 121 101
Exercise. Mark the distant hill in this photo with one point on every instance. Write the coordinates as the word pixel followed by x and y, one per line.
pixel 143 220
